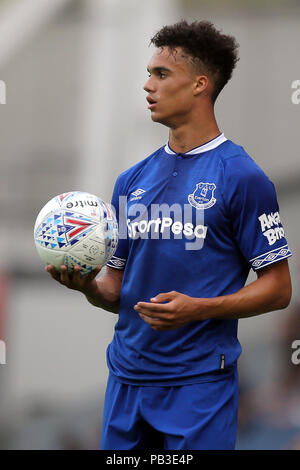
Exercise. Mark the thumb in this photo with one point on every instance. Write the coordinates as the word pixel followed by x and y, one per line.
pixel 163 297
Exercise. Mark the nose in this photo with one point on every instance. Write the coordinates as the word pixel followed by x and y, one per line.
pixel 148 87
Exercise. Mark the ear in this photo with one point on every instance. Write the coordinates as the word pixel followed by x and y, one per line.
pixel 200 84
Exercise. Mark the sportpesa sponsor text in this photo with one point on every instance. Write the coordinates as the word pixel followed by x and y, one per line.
pixel 164 226
pixel 166 221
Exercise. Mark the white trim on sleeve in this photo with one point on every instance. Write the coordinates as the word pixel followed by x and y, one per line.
pixel 117 263
pixel 270 257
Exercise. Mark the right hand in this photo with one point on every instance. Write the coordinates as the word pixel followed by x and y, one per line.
pixel 86 284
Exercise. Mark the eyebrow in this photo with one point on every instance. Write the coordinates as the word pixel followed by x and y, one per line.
pixel 158 69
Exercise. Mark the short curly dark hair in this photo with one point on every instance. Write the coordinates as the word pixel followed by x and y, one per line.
pixel 210 50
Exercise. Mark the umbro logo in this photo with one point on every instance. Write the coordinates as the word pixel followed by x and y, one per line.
pixel 137 194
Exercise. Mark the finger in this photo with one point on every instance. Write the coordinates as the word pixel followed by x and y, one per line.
pixel 151 320
pixel 164 296
pixel 53 271
pixel 64 275
pixel 150 307
pixel 76 274
pixel 156 316
pixel 157 324
pixel 50 268
pixel 151 315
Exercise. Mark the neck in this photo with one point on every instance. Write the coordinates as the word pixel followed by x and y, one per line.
pixel 194 133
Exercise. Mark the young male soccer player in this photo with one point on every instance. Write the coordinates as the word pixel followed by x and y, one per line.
pixel 200 213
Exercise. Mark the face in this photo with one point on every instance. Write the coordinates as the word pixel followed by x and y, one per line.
pixel 170 87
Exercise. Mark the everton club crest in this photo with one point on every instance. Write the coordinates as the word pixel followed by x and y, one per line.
pixel 203 196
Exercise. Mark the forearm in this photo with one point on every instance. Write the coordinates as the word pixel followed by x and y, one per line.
pixel 254 299
pixel 169 310
pixel 104 294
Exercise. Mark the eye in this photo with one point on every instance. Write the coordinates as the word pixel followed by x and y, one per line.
pixel 162 75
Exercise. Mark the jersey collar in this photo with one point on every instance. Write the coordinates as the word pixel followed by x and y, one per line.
pixel 212 144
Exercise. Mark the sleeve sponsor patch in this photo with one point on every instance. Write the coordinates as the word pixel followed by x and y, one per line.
pixel 271 227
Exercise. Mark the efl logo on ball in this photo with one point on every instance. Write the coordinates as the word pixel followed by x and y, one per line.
pixel 76 228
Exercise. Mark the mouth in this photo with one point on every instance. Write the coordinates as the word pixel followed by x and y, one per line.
pixel 151 102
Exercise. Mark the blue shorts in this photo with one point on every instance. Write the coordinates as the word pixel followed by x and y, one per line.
pixel 201 416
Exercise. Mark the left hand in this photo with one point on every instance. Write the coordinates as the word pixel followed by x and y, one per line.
pixel 179 310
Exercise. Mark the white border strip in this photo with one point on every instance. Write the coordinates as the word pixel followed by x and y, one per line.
pixel 267 252
pixel 121 261
pixel 274 261
pixel 202 148
pixel 277 258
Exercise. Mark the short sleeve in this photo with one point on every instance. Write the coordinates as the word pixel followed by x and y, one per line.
pixel 118 202
pixel 253 209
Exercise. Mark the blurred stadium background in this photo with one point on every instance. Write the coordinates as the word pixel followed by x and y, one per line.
pixel 74 117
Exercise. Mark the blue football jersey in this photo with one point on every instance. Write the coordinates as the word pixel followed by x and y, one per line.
pixel 195 223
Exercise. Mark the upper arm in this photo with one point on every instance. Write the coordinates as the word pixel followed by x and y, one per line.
pixel 278 274
pixel 252 207
pixel 118 202
pixel 279 271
